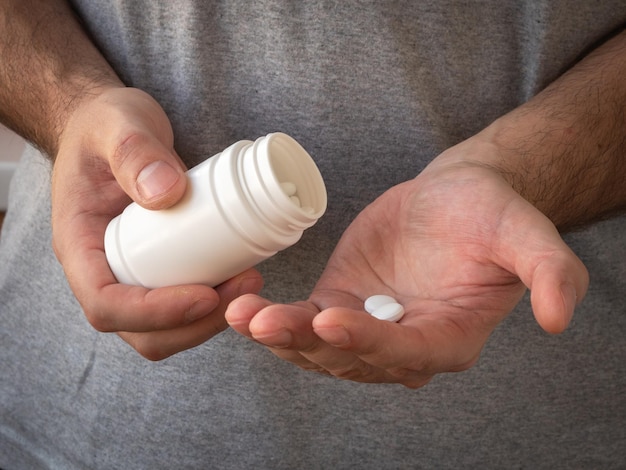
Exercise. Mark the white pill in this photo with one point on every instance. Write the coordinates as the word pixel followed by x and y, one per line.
pixel 376 301
pixel 288 188
pixel 389 312
pixel 295 200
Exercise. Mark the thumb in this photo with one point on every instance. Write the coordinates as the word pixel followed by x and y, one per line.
pixel 558 283
pixel 556 277
pixel 149 172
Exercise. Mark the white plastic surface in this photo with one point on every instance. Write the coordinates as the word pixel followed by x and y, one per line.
pixel 236 213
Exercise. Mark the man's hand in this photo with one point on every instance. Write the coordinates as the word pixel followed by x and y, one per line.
pixel 107 142
pixel 115 145
pixel 457 246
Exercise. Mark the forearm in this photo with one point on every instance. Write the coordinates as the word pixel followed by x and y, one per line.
pixel 565 150
pixel 49 67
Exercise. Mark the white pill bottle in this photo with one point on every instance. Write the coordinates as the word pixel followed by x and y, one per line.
pixel 241 206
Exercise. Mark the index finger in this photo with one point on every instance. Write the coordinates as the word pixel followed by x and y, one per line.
pixel 110 306
pixel 426 344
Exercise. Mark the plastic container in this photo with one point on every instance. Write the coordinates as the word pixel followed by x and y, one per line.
pixel 242 206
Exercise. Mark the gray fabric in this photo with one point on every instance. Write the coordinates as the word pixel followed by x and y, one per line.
pixel 374 90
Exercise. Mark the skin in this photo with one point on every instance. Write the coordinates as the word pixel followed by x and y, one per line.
pixel 110 145
pixel 458 245
pixel 93 173
pixel 457 272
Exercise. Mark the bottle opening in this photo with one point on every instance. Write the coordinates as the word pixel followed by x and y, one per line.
pixel 300 184
pixel 276 187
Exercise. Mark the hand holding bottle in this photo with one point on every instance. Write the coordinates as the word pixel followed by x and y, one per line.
pixel 118 146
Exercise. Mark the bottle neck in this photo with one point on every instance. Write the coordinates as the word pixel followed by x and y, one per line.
pixel 249 181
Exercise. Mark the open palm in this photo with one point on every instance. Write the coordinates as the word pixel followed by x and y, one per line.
pixel 457 246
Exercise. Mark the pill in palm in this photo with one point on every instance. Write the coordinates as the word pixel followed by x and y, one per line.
pixel 389 312
pixel 376 301
pixel 384 307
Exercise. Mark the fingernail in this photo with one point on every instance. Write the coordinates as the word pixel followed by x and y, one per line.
pixel 279 339
pixel 199 309
pixel 156 178
pixel 335 336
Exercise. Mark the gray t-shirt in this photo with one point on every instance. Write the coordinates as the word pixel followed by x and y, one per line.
pixel 374 91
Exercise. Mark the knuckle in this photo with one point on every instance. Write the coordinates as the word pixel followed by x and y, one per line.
pixel 466 365
pixel 410 378
pixel 354 376
pixel 98 319
pixel 124 150
pixel 416 382
pixel 358 371
pixel 146 348
pixel 98 322
pixel 403 373
pixel 98 315
pixel 152 354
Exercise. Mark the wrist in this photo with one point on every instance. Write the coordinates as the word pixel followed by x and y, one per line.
pixel 54 67
pixel 87 111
